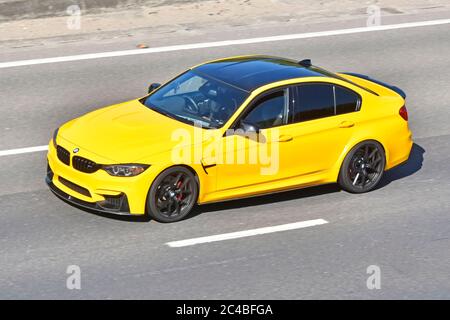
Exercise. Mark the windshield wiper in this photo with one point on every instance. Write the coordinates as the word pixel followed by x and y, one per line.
pixel 171 115
pixel 166 113
pixel 177 117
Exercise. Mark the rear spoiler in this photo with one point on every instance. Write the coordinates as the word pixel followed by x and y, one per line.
pixel 393 88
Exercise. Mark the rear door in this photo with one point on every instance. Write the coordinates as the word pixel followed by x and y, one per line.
pixel 324 116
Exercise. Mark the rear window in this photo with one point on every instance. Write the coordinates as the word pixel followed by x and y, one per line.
pixel 346 101
pixel 321 100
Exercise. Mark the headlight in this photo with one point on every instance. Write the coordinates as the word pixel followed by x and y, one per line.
pixel 125 170
pixel 55 134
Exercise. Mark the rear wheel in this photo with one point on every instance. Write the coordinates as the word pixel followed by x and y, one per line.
pixel 363 167
pixel 172 195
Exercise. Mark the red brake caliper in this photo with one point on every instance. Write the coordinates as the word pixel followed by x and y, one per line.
pixel 179 196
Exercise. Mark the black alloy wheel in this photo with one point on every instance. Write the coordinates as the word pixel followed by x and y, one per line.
pixel 363 167
pixel 172 195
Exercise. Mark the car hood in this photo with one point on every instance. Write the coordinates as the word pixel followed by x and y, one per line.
pixel 124 132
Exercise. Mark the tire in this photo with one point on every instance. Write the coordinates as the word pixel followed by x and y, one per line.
pixel 172 195
pixel 363 167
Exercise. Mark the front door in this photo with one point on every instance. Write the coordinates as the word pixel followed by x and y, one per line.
pixel 252 159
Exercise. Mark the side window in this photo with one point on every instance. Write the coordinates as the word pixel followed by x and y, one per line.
pixel 313 101
pixel 346 101
pixel 269 111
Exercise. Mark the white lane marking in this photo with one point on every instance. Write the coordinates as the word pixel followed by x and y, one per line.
pixel 246 233
pixel 22 150
pixel 222 43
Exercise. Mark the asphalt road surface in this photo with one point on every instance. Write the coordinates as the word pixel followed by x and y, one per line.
pixel 403 227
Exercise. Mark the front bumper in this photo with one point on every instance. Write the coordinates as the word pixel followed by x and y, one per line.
pixel 96 191
pixel 122 209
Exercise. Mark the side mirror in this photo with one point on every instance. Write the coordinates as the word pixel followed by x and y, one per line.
pixel 153 87
pixel 248 127
pixel 248 130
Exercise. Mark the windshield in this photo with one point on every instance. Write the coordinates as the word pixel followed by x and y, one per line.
pixel 196 98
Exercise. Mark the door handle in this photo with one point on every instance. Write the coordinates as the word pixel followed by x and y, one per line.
pixel 284 138
pixel 346 124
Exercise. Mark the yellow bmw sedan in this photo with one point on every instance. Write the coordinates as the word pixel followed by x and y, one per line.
pixel 227 129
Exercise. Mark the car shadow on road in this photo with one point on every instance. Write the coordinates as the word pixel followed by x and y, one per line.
pixel 266 199
pixel 406 169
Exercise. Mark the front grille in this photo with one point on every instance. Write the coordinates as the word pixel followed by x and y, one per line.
pixel 63 155
pixel 74 187
pixel 84 165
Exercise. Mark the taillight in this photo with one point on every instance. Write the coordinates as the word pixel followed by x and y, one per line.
pixel 403 112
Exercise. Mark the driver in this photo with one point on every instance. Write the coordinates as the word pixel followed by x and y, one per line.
pixel 215 108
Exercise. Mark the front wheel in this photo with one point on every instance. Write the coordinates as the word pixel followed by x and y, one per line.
pixel 363 167
pixel 172 195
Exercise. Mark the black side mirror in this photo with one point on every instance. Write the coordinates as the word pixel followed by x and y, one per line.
pixel 248 130
pixel 248 127
pixel 153 87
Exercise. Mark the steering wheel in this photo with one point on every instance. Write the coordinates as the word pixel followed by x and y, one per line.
pixel 191 106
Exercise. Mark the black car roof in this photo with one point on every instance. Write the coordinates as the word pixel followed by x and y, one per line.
pixel 251 72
